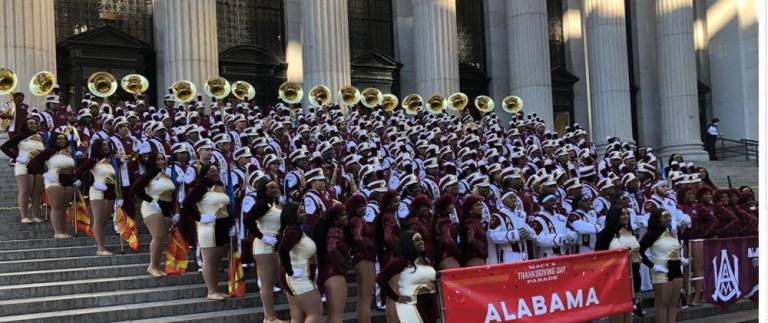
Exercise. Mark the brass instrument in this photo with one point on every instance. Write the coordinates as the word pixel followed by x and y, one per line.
pixel 134 84
pixel 8 81
pixel 389 102
pixel 42 83
pixel 319 95
pixel 512 104
pixel 291 92
pixel 436 104
pixel 458 101
pixel 371 97
pixel 243 90
pixel 217 87
pixel 132 157
pixel 184 91
pixel 412 103
pixel 102 84
pixel 349 95
pixel 484 103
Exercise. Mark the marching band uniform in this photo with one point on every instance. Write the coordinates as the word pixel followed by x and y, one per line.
pixel 552 234
pixel 504 235
pixel 416 282
pixel 297 252
pixel 207 204
pixel 22 148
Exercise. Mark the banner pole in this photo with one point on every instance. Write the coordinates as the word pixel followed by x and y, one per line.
pixel 690 268
pixel 441 303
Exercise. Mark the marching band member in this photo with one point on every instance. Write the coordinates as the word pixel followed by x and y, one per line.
pixel 316 201
pixel 508 232
pixel 618 234
pixel 552 234
pixel 665 262
pixel 24 145
pixel 155 189
pixel 297 257
pixel 332 255
pixel 473 233
pixel 362 213
pixel 102 191
pixel 446 229
pixel 583 221
pixel 57 158
pixel 206 204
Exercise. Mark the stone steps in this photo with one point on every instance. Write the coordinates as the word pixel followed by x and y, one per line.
pixel 71 242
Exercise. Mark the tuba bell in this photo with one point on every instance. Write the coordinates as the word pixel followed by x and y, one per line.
pixel 319 95
pixel 134 84
pixel 484 103
pixel 458 101
pixel 183 91
pixel 436 104
pixel 291 92
pixel 102 84
pixel 8 81
pixel 412 103
pixel 217 87
pixel 243 90
pixel 371 97
pixel 349 95
pixel 42 83
pixel 389 102
pixel 512 104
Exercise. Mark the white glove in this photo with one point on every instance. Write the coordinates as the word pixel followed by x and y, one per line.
pixel 176 217
pixel 232 231
pixel 50 177
pixel 207 218
pixel 155 207
pixel 77 183
pixel 99 185
pixel 79 154
pixel 22 160
pixel 297 273
pixel 270 240
pixel 660 268
pixel 119 202
pixel 559 240
pixel 684 261
pixel 523 233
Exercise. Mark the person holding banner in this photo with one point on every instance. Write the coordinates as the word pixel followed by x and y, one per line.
pixel 417 290
pixel 665 264
pixel 58 158
pixel 155 189
pixel 618 234
pixel 102 192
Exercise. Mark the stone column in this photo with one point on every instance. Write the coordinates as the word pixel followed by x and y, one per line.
pixel 645 72
pixel 575 60
pixel 496 53
pixel 435 46
pixel 293 55
pixel 608 70
pixel 325 45
pixel 530 76
pixel 678 96
pixel 186 42
pixel 27 42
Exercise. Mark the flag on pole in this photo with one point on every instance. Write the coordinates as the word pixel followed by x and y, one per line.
pixel 177 254
pixel 80 217
pixel 126 227
pixel 236 277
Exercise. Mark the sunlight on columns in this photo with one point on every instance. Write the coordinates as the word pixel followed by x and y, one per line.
pixel 295 71
pixel 719 14
pixel 700 40
pixel 747 11
pixel 571 24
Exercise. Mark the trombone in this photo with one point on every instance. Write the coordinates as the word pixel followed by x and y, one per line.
pixel 371 97
pixel 290 92
pixel 243 90
pixel 217 87
pixel 319 95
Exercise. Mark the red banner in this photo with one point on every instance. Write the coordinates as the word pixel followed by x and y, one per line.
pixel 572 288
pixel 730 269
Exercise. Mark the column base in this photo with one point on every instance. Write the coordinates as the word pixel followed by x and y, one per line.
pixel 690 152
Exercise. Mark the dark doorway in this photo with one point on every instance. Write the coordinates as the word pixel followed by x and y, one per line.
pixel 256 65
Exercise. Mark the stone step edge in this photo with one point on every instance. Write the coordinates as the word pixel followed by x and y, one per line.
pixel 84 281
pixel 67 270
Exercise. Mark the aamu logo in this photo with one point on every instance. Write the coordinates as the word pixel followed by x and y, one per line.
pixel 726 277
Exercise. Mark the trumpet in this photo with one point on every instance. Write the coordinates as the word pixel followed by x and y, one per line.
pixel 319 95
pixel 217 87
pixel 132 157
pixel 371 97
pixel 436 104
pixel 102 84
pixel 349 95
pixel 484 103
pixel 512 104
pixel 243 90
pixel 389 102
pixel 42 83
pixel 412 103
pixel 134 84
pixel 290 92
